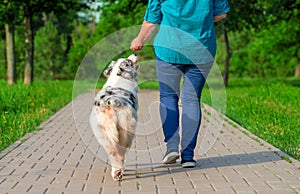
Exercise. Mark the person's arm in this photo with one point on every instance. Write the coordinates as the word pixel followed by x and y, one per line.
pixel 220 17
pixel 220 8
pixel 145 32
pixel 152 18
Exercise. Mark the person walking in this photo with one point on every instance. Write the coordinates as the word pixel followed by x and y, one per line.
pixel 185 46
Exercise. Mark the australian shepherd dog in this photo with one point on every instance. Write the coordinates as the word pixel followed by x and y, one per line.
pixel 114 113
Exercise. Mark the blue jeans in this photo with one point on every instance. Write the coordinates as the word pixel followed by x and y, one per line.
pixel 169 77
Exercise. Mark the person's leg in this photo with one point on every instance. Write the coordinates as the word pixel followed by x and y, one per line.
pixel 169 85
pixel 194 80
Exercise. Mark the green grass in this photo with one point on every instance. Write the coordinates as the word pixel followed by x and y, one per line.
pixel 149 85
pixel 267 108
pixel 24 107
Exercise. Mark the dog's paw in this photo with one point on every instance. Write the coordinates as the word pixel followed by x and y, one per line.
pixel 117 175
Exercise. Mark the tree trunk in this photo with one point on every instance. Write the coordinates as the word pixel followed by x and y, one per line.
pixel 10 54
pixel 29 48
pixel 297 72
pixel 227 58
pixel 52 70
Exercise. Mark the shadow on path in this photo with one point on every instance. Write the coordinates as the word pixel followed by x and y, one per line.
pixel 205 163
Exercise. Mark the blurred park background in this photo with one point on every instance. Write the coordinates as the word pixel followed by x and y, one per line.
pixel 42 44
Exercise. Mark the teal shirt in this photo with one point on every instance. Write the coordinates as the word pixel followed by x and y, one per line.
pixel 186 33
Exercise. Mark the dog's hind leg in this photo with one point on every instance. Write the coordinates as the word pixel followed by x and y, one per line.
pixel 116 174
pixel 117 162
pixel 126 126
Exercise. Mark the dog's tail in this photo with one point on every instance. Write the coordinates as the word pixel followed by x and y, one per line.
pixel 110 123
pixel 126 126
pixel 119 124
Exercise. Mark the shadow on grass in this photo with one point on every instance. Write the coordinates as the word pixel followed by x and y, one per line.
pixel 294 82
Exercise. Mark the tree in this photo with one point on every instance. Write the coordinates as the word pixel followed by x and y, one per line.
pixel 81 44
pixel 275 50
pixel 49 51
pixel 36 7
pixel 228 55
pixel 8 13
pixel 115 16
pixel 243 15
pixel 9 9
pixel 255 15
pixel 10 54
pixel 29 49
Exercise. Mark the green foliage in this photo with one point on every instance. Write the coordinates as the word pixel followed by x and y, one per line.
pixel 263 37
pixel 271 52
pixel 10 11
pixel 81 44
pixel 258 14
pixel 275 51
pixel 49 52
pixel 269 108
pixel 20 52
pixel 23 108
pixel 29 10
pixel 244 14
pixel 119 14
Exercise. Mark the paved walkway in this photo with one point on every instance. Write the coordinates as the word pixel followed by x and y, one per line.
pixel 63 157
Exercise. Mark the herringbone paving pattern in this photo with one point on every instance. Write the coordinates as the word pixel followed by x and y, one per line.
pixel 64 157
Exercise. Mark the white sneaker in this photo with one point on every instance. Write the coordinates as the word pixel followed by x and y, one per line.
pixel 188 164
pixel 170 157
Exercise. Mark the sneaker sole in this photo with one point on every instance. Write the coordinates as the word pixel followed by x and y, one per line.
pixel 188 165
pixel 171 158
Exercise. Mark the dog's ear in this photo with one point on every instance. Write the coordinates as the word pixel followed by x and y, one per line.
pixel 107 72
pixel 136 67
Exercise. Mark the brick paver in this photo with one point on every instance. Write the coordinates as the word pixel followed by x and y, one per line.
pixel 64 157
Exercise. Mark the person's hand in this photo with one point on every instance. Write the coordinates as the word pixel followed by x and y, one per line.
pixel 136 44
pixel 145 32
